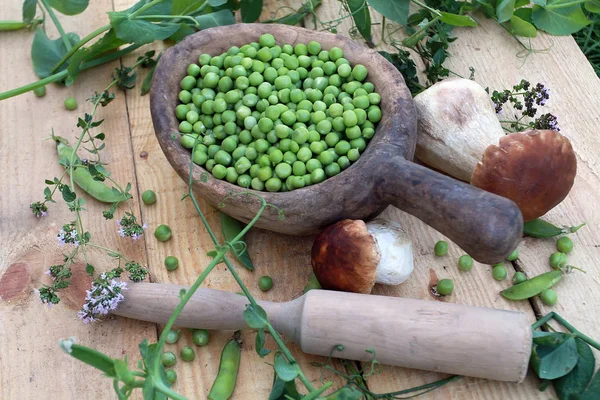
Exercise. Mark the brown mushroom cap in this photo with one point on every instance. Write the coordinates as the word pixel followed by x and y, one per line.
pixel 535 169
pixel 345 257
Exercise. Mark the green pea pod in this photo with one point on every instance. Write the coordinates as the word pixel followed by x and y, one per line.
pixel 224 384
pixel 362 18
pixel 541 229
pixel 231 227
pixel 312 283
pixel 12 25
pixel 85 180
pixel 533 286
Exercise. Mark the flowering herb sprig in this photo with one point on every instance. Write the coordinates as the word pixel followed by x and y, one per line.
pixel 525 99
pixel 73 235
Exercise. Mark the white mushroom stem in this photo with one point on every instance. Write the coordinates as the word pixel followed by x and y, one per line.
pixel 395 251
pixel 456 123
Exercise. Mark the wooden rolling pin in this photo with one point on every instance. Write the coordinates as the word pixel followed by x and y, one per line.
pixel 421 334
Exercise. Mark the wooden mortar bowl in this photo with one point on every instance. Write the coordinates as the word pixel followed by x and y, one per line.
pixel 486 226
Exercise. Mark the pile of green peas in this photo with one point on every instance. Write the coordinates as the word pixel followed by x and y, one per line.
pixel 276 118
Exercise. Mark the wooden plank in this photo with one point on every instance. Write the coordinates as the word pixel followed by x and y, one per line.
pixel 574 86
pixel 31 361
pixel 285 259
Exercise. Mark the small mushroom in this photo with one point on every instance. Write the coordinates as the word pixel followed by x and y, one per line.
pixel 352 256
pixel 459 134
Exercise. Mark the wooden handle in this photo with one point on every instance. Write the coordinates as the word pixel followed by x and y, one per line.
pixel 429 335
pixel 488 227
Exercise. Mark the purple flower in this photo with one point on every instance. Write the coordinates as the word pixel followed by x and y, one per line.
pixel 129 227
pixel 104 296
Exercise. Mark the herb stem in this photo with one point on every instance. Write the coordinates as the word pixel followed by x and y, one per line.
pixel 168 392
pixel 425 6
pixel 42 82
pixel 176 17
pixel 78 45
pixel 552 315
pixel 188 295
pixel 59 27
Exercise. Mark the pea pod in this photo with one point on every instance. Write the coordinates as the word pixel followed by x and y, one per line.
pixel 85 180
pixel 231 227
pixel 533 286
pixel 223 386
pixel 541 229
pixel 362 17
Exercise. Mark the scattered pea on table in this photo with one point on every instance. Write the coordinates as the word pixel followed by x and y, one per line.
pixel 564 245
pixel 168 358
pixel 445 287
pixel 465 262
pixel 265 283
pixel 200 337
pixel 171 263
pixel 499 272
pixel 70 103
pixel 173 336
pixel 187 353
pixel 441 248
pixel 163 233
pixel 149 197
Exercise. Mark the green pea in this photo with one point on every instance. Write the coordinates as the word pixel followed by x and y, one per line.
pixel 162 233
pixel 548 297
pixel 374 115
pixel 40 91
pixel 265 283
pixel 445 287
pixel 465 263
pixel 350 118
pixel 283 170
pixel 187 353
pixel 171 263
pixel 333 169
pixel 70 103
pixel 149 197
pixel 168 359
pixel 257 184
pixel 353 154
pixel 499 272
pixel 519 277
pixel 513 256
pixel 313 47
pixel 343 162
pixel 171 376
pixel 317 175
pixel 200 337
pixel 244 180
pixel 441 248
pixel 172 336
pixel 200 157
pixel 266 40
pixel 558 260
pixel 344 70
pixel 359 72
pixel 564 245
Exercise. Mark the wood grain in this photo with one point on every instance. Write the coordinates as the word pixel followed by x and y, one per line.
pixel 31 362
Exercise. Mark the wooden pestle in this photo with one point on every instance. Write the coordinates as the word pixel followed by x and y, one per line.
pixel 429 335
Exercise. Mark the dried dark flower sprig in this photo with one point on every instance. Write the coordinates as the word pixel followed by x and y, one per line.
pixel 524 98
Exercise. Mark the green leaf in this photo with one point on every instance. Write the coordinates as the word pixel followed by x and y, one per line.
pixel 553 362
pixel 541 3
pixel 284 390
pixel 218 18
pixel 184 7
pixel 183 31
pixel 396 10
pixel 29 10
pixel 69 7
pixel 46 53
pixel 231 227
pixel 457 20
pixel 147 84
pixel 255 316
pixel 559 21
pixel 504 10
pixel 251 10
pixel 575 382
pixel 349 392
pixel 362 17
pixel 593 391
pixel 592 6
pixel 285 371
pixel 89 356
pixel 89 268
pixel 67 194
pixel 297 17
pixel 522 28
pixel 139 31
pixel 521 3
pixel 488 7
pixel 260 343
pixel 524 14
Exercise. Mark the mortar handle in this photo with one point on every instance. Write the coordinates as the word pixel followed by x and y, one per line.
pixel 486 226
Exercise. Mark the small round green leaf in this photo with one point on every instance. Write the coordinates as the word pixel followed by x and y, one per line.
pixel 285 371
pixel 522 28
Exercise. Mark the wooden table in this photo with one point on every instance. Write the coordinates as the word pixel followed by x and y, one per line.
pixel 31 362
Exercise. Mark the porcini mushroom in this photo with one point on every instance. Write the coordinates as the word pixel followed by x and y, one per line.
pixel 352 256
pixel 459 133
